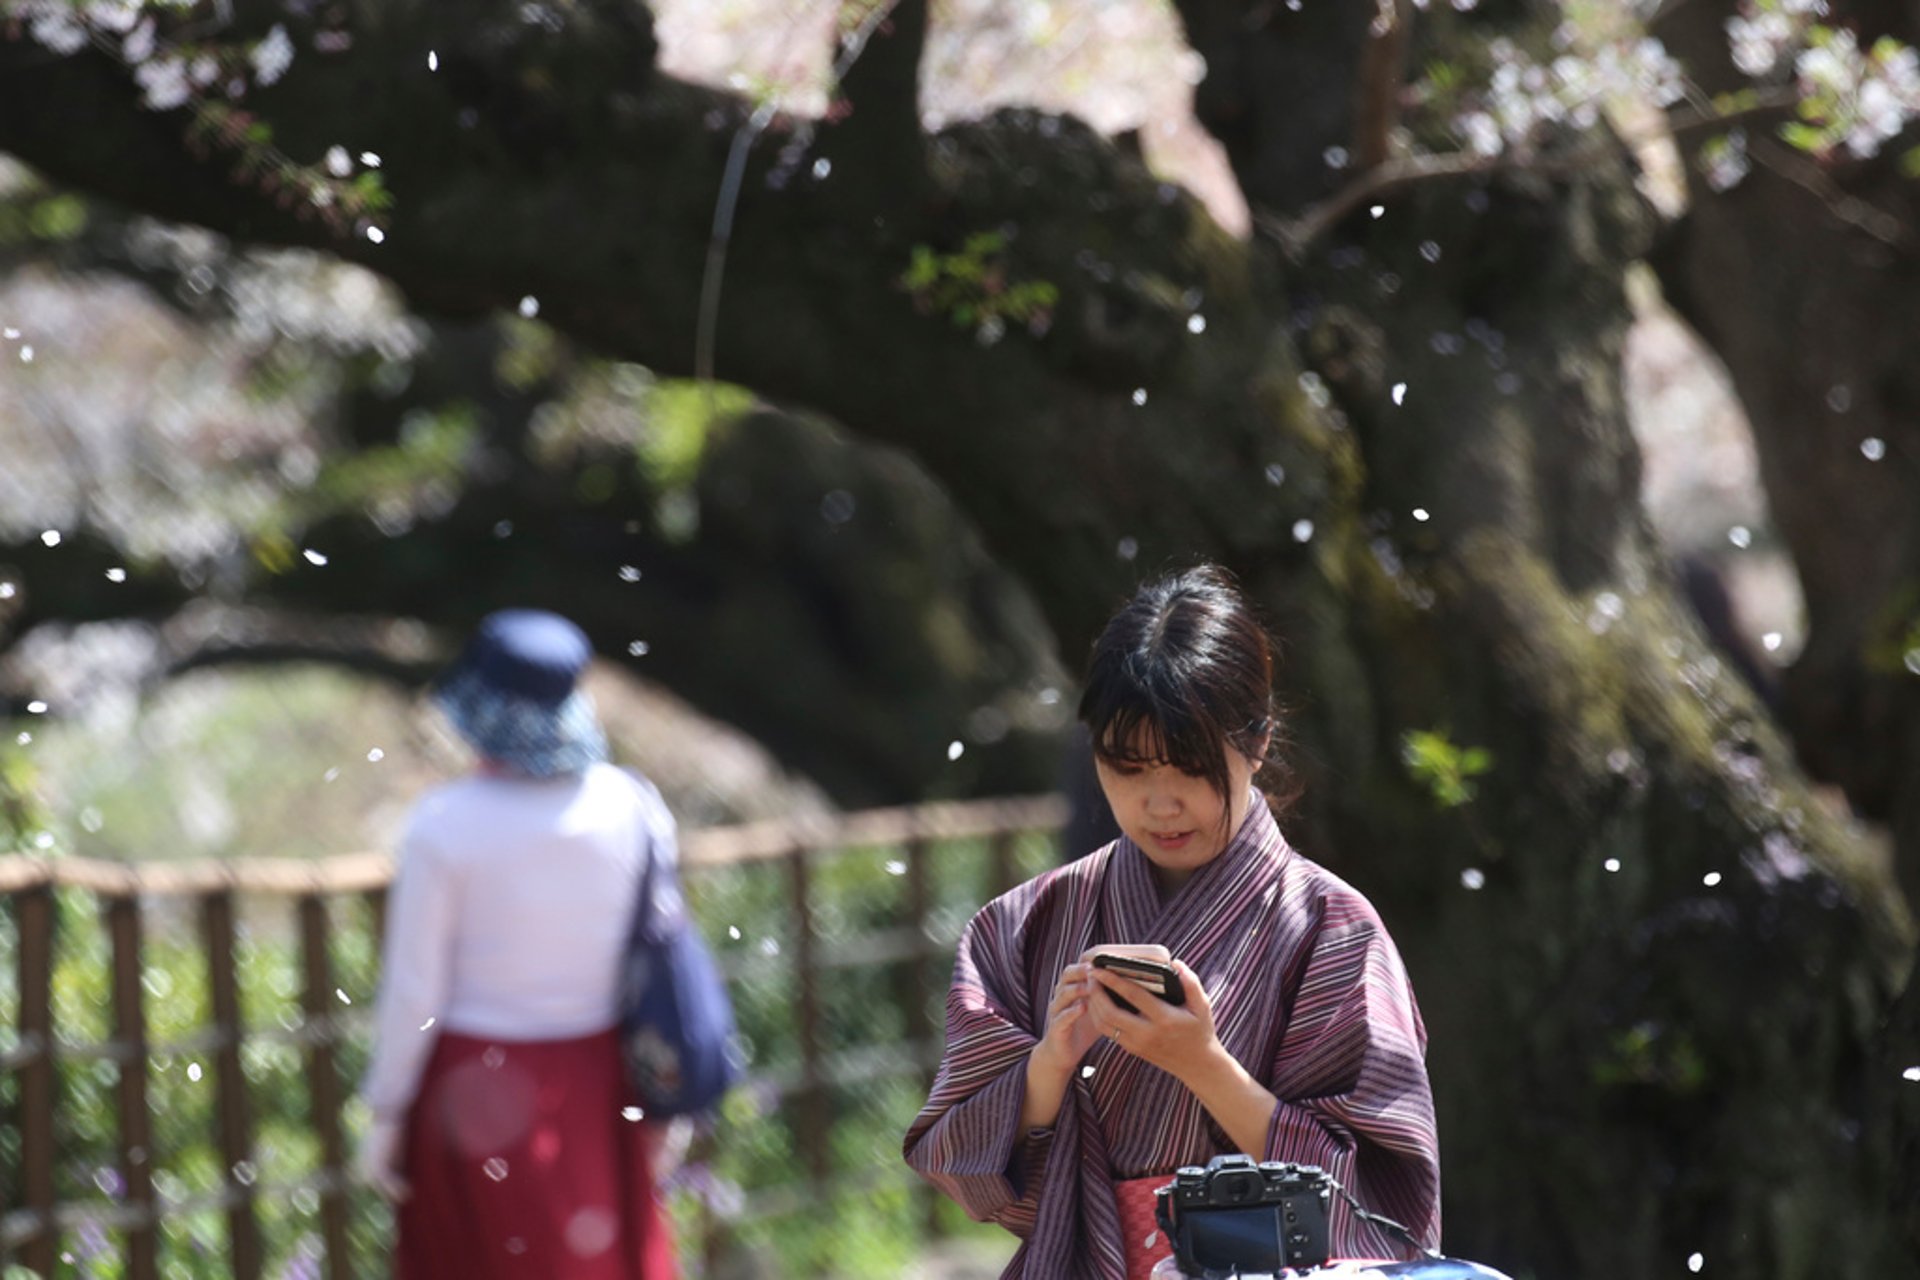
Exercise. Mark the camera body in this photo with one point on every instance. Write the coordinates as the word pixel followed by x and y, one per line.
pixel 1236 1216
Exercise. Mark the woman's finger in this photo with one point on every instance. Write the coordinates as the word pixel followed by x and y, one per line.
pixel 1065 994
pixel 1190 983
pixel 1125 988
pixel 1108 1014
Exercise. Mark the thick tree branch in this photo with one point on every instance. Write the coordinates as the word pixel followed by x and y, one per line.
pixel 1298 236
pixel 1377 87
pixel 499 194
pixel 1806 173
pixel 407 673
pixel 776 497
pixel 879 86
pixel 81 576
pixel 1285 91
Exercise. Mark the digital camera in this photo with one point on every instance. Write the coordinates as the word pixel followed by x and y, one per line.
pixel 1238 1217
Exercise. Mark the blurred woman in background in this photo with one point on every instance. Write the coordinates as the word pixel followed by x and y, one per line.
pixel 503 1127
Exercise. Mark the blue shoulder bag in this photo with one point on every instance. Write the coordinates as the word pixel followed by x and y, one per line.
pixel 676 1023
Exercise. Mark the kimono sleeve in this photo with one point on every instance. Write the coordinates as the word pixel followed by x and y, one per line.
pixel 968 1139
pixel 1350 1074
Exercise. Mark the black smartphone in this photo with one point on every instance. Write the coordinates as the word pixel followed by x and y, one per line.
pixel 1151 974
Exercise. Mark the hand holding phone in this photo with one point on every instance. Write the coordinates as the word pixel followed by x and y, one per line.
pixel 1154 975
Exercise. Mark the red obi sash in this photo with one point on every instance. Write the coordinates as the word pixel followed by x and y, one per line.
pixel 1145 1242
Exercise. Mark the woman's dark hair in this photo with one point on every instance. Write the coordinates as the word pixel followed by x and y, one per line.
pixel 1183 671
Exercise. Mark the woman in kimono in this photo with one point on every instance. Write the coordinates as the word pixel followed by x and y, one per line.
pixel 1056 1112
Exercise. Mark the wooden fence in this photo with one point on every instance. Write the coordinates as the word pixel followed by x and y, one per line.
pixel 31 1233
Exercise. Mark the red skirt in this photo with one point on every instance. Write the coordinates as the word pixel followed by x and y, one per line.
pixel 522 1167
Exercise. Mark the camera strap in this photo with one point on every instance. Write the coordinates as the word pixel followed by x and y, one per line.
pixel 1383 1222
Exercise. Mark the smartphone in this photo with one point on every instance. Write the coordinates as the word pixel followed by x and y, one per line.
pixel 1151 974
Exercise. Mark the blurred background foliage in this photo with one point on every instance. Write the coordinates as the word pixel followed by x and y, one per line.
pixel 743 1186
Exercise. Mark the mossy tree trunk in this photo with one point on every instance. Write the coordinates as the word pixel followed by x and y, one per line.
pixel 1653 969
pixel 1805 278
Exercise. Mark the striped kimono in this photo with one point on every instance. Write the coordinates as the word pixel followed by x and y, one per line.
pixel 1307 991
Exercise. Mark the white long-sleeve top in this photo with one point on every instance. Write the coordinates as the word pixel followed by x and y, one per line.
pixel 509 914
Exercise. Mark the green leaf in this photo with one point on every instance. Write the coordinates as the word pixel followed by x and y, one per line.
pixel 982 244
pixel 370 189
pixel 529 354
pixel 1803 137
pixel 1886 49
pixel 679 416
pixel 275 552
pixel 922 270
pixel 1434 761
pixel 58 218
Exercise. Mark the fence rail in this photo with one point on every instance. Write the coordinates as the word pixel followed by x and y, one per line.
pixel 31 1232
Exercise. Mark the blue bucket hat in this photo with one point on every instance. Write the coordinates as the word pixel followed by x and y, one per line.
pixel 512 694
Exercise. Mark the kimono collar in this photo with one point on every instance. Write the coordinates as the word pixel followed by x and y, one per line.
pixel 1234 879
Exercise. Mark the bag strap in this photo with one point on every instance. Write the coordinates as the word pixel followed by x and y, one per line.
pixel 648 923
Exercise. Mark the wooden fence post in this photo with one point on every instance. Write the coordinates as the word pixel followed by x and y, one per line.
pixel 812 1110
pixel 323 1081
pixel 235 1115
pixel 377 917
pixel 136 1121
pixel 923 1025
pixel 1005 874
pixel 37 1081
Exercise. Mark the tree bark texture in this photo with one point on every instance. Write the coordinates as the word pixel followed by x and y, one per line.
pixel 1814 314
pixel 1805 279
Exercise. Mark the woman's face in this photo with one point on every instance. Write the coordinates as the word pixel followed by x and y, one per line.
pixel 1178 820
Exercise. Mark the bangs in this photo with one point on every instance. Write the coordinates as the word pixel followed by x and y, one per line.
pixel 1182 675
pixel 1133 724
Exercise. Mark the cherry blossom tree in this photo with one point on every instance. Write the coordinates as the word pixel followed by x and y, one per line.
pixel 1660 973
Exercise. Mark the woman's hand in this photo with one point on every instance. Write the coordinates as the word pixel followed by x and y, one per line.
pixel 1065 1039
pixel 1069 1032
pixel 668 1149
pixel 1181 1041
pixel 1177 1038
pixel 379 1156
